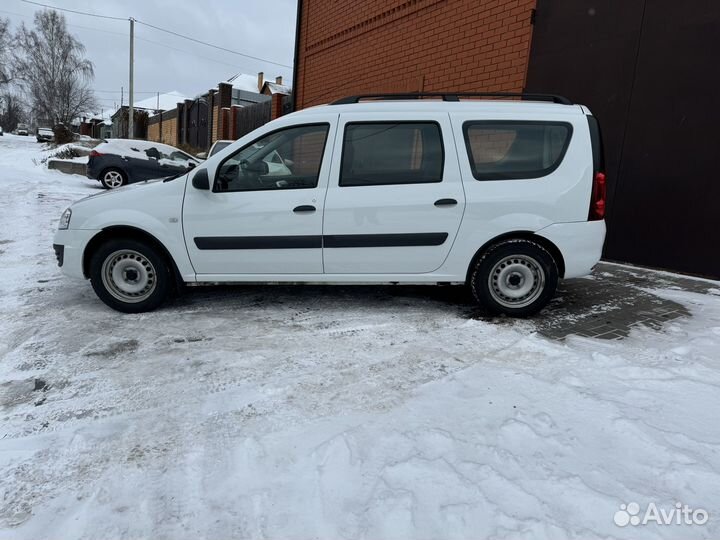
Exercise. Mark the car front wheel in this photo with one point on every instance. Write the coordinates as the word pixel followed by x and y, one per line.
pixel 516 277
pixel 113 178
pixel 130 276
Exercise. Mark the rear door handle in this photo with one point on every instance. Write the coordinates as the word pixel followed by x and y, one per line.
pixel 303 209
pixel 445 202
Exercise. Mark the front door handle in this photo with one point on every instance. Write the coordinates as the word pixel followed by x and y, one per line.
pixel 304 209
pixel 445 202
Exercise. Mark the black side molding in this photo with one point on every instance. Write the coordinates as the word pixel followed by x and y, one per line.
pixel 259 242
pixel 317 242
pixel 384 240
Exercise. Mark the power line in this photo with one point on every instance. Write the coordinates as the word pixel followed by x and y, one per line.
pixel 101 30
pixel 138 38
pixel 188 52
pixel 162 30
pixel 78 12
pixel 120 92
pixel 213 46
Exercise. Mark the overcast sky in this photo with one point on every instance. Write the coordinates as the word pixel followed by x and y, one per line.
pixel 261 28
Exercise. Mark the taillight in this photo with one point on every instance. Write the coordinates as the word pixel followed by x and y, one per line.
pixel 95 153
pixel 597 199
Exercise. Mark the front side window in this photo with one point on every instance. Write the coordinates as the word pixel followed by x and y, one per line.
pixel 391 153
pixel 285 159
pixel 512 150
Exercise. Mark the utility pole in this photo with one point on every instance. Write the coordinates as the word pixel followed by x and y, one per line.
pixel 131 110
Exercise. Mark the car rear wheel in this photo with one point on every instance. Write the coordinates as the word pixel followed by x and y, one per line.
pixel 516 277
pixel 113 178
pixel 130 276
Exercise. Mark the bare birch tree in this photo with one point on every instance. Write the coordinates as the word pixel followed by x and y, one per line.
pixel 50 65
pixel 5 39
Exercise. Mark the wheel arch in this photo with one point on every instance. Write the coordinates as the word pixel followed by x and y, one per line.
pixel 134 233
pixel 520 235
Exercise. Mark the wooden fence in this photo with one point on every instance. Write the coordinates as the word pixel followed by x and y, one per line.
pixel 250 118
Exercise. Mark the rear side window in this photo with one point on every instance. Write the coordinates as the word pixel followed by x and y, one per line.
pixel 513 150
pixel 391 153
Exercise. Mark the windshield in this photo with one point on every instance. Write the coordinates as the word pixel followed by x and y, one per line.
pixel 219 146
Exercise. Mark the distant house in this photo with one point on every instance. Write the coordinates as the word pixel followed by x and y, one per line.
pixel 95 125
pixel 103 129
pixel 246 89
pixel 143 110
pixel 269 88
pixel 237 105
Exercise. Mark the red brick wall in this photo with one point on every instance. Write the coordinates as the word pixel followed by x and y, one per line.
pixel 351 46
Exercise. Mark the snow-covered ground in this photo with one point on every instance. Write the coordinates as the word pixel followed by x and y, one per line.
pixel 322 412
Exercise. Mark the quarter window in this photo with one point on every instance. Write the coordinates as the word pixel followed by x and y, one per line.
pixel 511 150
pixel 284 159
pixel 391 153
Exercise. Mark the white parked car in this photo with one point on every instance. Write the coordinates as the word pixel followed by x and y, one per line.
pixel 507 196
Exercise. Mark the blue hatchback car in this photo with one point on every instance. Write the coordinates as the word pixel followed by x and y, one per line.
pixel 118 162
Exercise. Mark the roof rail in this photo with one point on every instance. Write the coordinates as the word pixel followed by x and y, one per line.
pixel 453 97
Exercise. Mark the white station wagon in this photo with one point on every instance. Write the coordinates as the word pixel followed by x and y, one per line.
pixel 505 195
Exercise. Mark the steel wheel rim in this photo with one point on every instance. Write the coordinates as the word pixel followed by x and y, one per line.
pixel 113 179
pixel 129 276
pixel 516 281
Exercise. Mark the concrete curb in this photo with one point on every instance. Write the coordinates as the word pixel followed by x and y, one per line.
pixel 67 167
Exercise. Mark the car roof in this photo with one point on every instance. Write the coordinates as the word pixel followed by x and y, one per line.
pixel 464 106
pixel 137 143
pixel 118 146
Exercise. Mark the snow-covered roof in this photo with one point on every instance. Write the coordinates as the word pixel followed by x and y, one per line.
pixel 276 88
pixel 138 149
pixel 242 81
pixel 103 117
pixel 167 101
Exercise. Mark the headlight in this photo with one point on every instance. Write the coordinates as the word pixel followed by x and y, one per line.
pixel 65 219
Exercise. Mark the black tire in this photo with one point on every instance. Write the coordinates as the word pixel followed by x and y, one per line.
pixel 120 266
pixel 516 277
pixel 107 176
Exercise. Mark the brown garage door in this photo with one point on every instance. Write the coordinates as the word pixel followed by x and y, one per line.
pixel 647 70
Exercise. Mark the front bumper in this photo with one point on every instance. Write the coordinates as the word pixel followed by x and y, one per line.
pixel 71 243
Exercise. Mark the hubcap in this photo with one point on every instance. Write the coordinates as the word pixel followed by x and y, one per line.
pixel 129 276
pixel 516 281
pixel 113 179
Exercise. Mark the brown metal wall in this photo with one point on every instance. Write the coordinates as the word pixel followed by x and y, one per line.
pixel 648 71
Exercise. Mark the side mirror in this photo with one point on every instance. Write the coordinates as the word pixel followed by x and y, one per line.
pixel 201 180
pixel 191 165
pixel 259 167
